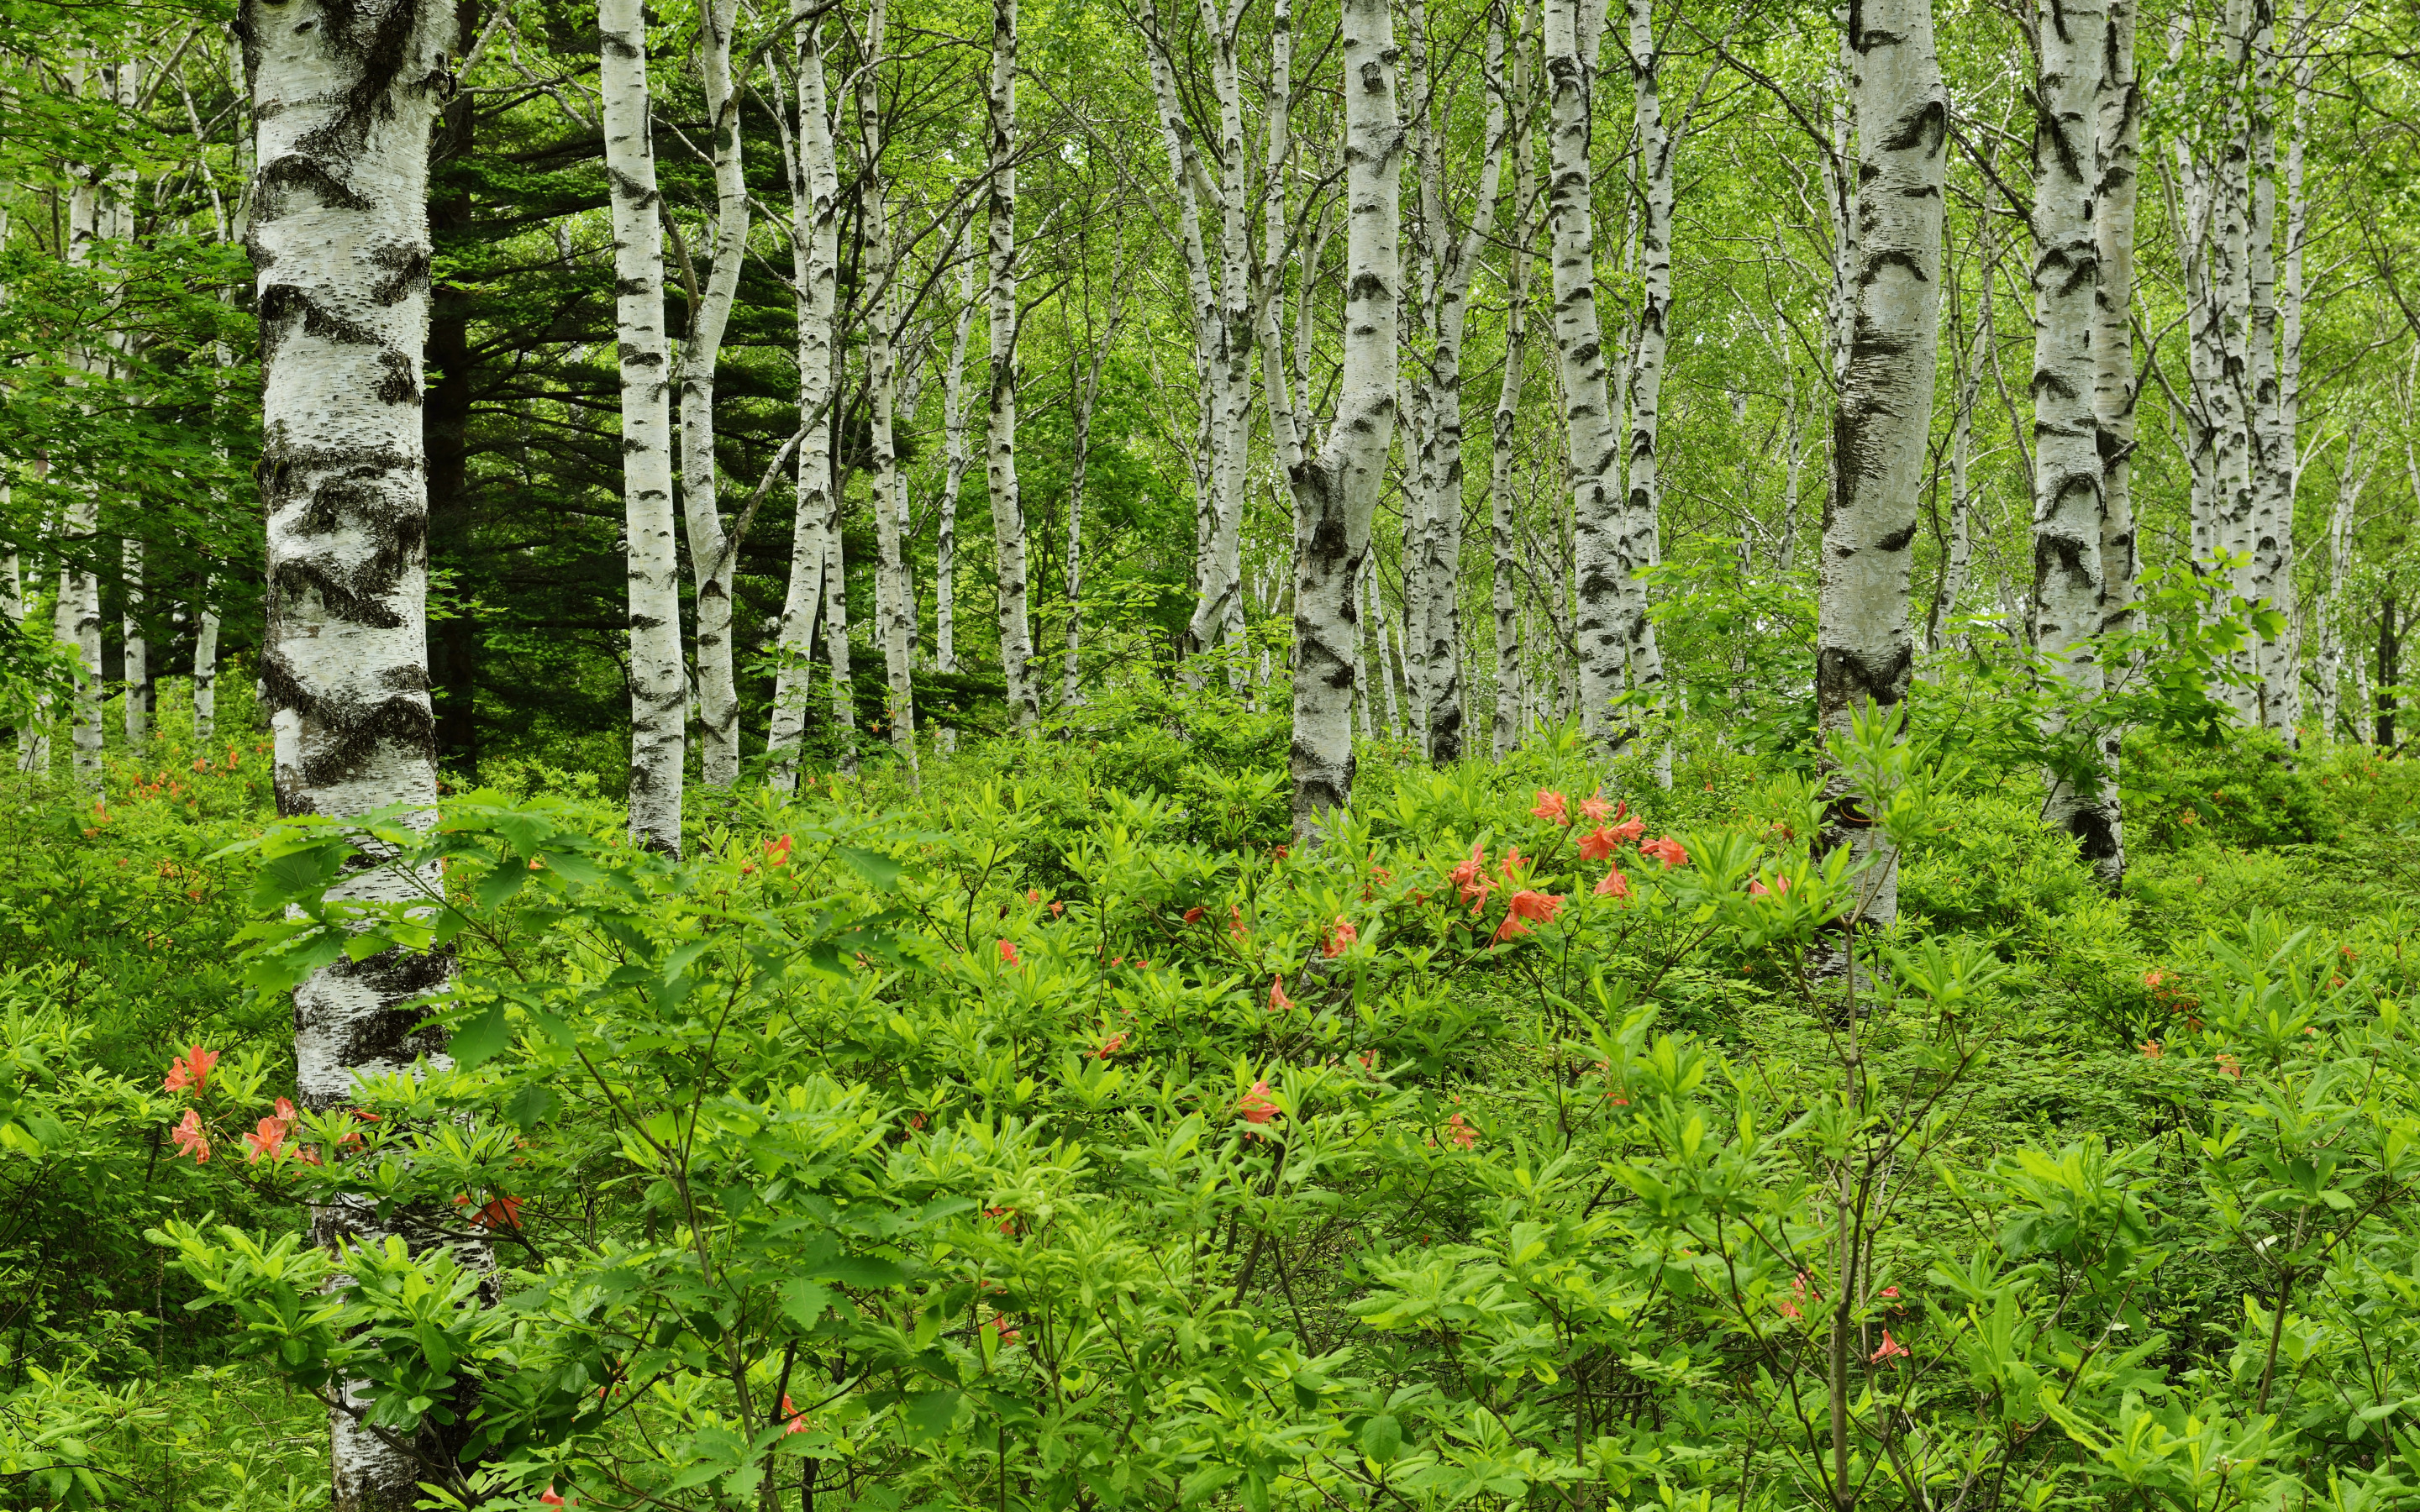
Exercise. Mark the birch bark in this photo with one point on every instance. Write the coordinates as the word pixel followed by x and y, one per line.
pixel 1452 261
pixel 1335 489
pixel 896 612
pixel 2271 448
pixel 343 106
pixel 2351 481
pixel 814 261
pixel 1086 393
pixel 2068 588
pixel 1503 508
pixel 2113 391
pixel 658 690
pixel 1007 508
pixel 1573 29
pixel 1865 645
pixel 76 610
pixel 718 694
pixel 137 648
pixel 2230 298
pixel 957 458
pixel 1643 503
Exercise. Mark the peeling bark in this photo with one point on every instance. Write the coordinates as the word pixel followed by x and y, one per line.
pixel 1572 30
pixel 1008 507
pixel 1641 548
pixel 1335 489
pixel 138 649
pixel 1504 585
pixel 342 100
pixel 718 695
pixel 814 261
pixel 659 680
pixel 1865 643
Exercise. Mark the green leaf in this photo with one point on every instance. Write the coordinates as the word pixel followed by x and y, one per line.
pixel 858 1270
pixel 298 877
pixel 482 1039
pixel 805 1300
pixel 880 870
pixel 1382 1439
pixel 929 1414
pixel 529 1107
pixel 510 875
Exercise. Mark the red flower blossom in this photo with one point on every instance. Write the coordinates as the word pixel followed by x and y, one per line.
pixel 190 1140
pixel 793 1420
pixel 1033 895
pixel 1758 889
pixel 549 1498
pixel 191 1070
pixel 1595 808
pixel 776 852
pixel 1666 849
pixel 2227 1064
pixel 1891 1350
pixel 1890 1292
pixel 1110 1046
pixel 1550 807
pixel 1236 921
pixel 1614 886
pixel 268 1141
pixel 1462 1135
pixel 999 1325
pixel 1257 1105
pixel 1597 844
pixel 1008 954
pixel 1471 877
pixel 1193 914
pixel 500 1212
pixel 1278 1001
pixel 1524 906
pixel 1341 938
pixel 1057 909
pixel 2151 1050
pixel 1513 861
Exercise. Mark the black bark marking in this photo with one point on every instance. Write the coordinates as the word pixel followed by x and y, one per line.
pixel 289 175
pixel 1897 539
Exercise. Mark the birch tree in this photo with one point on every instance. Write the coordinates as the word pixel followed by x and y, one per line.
pixel 878 267
pixel 2068 604
pixel 2114 389
pixel 76 610
pixel 718 695
pixel 1447 264
pixel 1643 502
pixel 1504 544
pixel 340 235
pixel 1865 644
pixel 956 458
pixel 1572 30
pixel 1007 508
pixel 814 262
pixel 2351 480
pixel 659 684
pixel 1336 487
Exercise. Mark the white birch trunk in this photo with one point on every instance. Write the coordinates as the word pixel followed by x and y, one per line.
pixel 206 666
pixel 1087 392
pixel 138 649
pixel 1000 469
pixel 2066 605
pixel 718 694
pixel 1959 566
pixel 1504 586
pixel 76 611
pixel 2274 692
pixel 1573 29
pixel 1437 609
pixel 957 458
pixel 1643 503
pixel 1336 490
pixel 339 237
pixel 2231 301
pixel 659 680
pixel 2350 483
pixel 895 615
pixel 814 261
pixel 2114 393
pixel 1865 644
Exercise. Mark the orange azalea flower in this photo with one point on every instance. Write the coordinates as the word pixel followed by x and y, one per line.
pixel 1550 807
pixel 190 1140
pixel 1340 939
pixel 1614 886
pixel 1257 1105
pixel 1597 844
pixel 191 1070
pixel 1666 849
pixel 1008 954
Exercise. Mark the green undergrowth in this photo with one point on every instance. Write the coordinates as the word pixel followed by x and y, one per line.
pixel 1052 1131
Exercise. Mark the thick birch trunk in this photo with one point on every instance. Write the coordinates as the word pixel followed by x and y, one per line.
pixel 1336 490
pixel 2067 581
pixel 2274 547
pixel 1007 509
pixel 659 681
pixel 718 695
pixel 2272 462
pixel 1571 31
pixel 1643 505
pixel 1865 645
pixel 814 261
pixel 339 237
pixel 138 649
